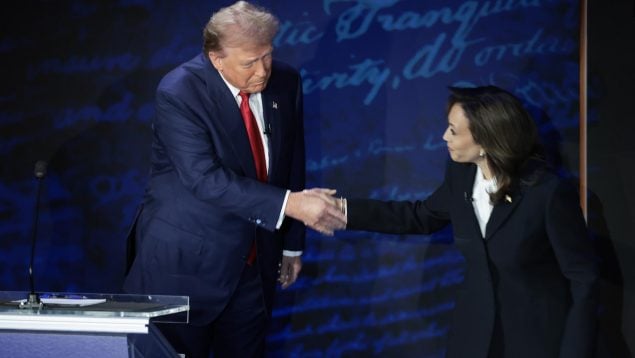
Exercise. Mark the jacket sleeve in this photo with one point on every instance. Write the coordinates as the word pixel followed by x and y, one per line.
pixel 402 217
pixel 569 238
pixel 187 144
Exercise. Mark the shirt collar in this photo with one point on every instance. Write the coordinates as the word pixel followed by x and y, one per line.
pixel 233 89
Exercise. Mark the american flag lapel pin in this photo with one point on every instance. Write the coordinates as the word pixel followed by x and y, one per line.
pixel 274 105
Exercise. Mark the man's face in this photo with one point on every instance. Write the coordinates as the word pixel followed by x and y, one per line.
pixel 247 67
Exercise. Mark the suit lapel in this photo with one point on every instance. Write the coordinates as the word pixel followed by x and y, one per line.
pixel 231 120
pixel 271 114
pixel 467 185
pixel 501 212
pixel 530 173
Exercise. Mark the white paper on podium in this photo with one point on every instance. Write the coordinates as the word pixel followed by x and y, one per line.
pixel 71 302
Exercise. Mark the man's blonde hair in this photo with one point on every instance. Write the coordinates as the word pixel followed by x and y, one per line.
pixel 237 24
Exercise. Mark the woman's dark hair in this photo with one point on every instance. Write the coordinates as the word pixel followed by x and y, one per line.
pixel 502 126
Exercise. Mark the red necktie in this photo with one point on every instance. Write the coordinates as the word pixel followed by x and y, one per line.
pixel 257 150
pixel 255 141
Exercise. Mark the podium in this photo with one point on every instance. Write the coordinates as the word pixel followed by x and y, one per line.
pixel 88 325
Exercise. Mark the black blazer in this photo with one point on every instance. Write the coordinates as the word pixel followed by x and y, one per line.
pixel 529 284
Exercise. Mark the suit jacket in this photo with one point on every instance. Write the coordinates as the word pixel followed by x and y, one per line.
pixel 204 206
pixel 528 290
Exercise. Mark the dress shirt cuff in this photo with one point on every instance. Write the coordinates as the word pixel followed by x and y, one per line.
pixel 291 253
pixel 344 209
pixel 284 206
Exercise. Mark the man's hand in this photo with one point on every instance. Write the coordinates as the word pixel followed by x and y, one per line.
pixel 317 209
pixel 289 269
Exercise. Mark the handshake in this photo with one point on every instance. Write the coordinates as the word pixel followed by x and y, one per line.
pixel 318 209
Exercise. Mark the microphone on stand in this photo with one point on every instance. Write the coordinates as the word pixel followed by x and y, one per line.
pixel 33 300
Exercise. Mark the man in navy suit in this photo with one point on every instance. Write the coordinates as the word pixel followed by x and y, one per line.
pixel 221 206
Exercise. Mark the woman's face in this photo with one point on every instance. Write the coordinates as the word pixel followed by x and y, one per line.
pixel 459 139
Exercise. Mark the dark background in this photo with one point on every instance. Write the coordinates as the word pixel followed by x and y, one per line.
pixel 78 80
pixel 611 158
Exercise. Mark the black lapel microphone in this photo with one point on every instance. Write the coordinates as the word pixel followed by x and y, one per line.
pixel 267 130
pixel 468 198
pixel 33 300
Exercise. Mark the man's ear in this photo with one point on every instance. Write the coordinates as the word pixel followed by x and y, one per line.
pixel 216 60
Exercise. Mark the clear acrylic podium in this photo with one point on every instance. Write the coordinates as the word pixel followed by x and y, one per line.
pixel 88 325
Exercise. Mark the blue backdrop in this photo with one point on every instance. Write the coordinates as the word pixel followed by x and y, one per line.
pixel 78 84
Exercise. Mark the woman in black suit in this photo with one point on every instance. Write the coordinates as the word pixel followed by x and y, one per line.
pixel 529 284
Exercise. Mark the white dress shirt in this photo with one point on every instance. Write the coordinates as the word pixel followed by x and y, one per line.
pixel 255 104
pixel 480 198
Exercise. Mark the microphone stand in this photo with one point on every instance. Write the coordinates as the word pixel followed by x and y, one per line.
pixel 33 301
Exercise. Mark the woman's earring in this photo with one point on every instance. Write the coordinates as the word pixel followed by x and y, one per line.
pixel 481 153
